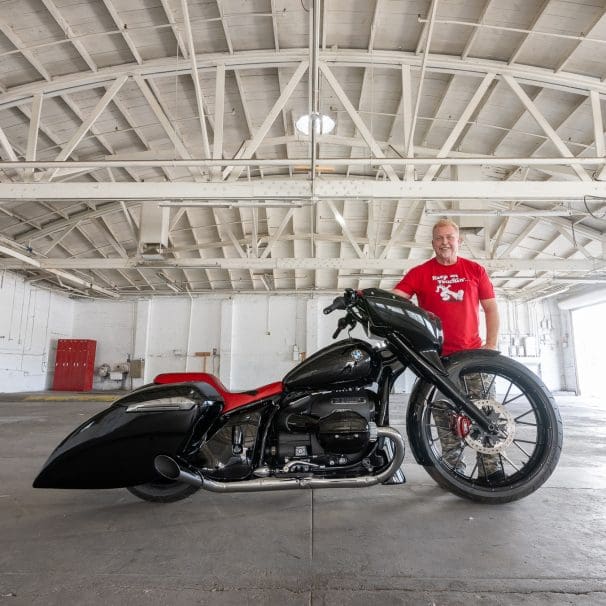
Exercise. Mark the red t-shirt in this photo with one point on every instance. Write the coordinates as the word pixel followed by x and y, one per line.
pixel 453 293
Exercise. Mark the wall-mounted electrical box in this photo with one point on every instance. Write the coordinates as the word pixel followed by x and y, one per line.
pixel 137 368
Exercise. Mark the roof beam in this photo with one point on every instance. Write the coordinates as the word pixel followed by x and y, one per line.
pixel 5 144
pixel 251 146
pixel 406 105
pixel 521 236
pixel 373 25
pixel 219 116
pixel 346 231
pixel 69 147
pixel 111 9
pixel 598 130
pixel 30 262
pixel 537 17
pixel 443 102
pixel 289 263
pixel 169 68
pixel 148 159
pixel 295 189
pixel 547 128
pixel 165 122
pixel 196 78
pixel 16 41
pixel 78 217
pixel 67 30
pixel 357 120
pixel 588 34
pixel 460 125
pixel 475 31
pixel 170 15
pixel 32 134
pixel 277 234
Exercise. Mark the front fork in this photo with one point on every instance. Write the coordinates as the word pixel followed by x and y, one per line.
pixel 432 373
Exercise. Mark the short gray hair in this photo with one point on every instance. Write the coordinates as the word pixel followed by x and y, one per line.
pixel 444 222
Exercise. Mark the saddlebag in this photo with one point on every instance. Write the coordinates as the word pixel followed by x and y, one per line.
pixel 117 447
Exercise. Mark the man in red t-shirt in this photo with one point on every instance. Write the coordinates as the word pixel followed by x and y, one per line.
pixel 454 288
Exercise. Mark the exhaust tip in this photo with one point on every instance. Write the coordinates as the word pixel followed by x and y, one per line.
pixel 167 467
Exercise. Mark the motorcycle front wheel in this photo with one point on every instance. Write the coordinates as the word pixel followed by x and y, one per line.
pixel 163 491
pixel 482 467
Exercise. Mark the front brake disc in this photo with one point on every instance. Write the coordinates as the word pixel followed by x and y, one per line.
pixel 488 443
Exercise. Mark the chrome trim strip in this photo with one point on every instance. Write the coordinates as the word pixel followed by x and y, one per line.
pixel 162 405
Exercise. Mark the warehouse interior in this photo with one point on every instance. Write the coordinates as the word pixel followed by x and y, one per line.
pixel 187 184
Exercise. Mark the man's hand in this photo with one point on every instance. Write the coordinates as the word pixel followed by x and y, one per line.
pixel 491 312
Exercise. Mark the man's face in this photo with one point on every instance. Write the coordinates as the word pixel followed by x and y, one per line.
pixel 446 243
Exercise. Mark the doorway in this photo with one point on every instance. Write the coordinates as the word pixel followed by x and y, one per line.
pixel 589 329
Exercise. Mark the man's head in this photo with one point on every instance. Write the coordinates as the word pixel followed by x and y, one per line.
pixel 446 241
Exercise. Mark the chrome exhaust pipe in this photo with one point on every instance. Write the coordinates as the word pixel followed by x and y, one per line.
pixel 170 469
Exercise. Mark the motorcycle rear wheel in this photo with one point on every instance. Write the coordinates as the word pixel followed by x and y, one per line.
pixel 163 491
pixel 527 412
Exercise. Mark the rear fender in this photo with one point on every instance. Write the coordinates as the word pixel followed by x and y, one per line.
pixel 117 447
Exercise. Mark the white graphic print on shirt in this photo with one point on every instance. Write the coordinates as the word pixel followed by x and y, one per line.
pixel 445 286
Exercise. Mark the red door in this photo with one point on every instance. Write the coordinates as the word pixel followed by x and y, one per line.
pixel 74 365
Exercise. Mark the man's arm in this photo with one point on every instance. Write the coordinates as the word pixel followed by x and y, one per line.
pixel 401 293
pixel 491 312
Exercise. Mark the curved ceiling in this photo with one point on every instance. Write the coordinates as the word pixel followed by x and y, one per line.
pixel 149 147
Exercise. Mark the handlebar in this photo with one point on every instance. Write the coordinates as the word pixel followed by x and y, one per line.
pixel 342 302
pixel 345 302
pixel 338 303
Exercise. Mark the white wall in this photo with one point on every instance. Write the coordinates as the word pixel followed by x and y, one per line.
pixel 250 338
pixel 264 334
pixel 31 322
pixel 165 332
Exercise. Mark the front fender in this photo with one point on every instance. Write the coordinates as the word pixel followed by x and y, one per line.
pixel 117 447
pixel 421 391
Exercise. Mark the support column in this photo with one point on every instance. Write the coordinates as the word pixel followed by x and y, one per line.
pixel 226 341
pixel 141 330
pixel 312 342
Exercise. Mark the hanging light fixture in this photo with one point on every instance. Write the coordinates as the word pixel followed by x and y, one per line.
pixel 322 124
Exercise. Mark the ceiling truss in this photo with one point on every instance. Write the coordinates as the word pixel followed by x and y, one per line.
pixel 366 191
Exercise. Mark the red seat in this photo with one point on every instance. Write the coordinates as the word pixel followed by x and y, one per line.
pixel 232 399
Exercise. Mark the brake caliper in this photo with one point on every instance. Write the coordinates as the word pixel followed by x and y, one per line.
pixel 460 425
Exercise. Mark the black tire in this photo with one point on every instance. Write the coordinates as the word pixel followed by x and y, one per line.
pixel 163 491
pixel 532 436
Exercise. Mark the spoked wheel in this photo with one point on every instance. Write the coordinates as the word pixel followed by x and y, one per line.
pixel 163 491
pixel 489 467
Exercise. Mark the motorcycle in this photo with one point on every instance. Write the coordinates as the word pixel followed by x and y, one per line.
pixel 482 425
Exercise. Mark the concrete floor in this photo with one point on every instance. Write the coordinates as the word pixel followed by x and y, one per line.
pixel 412 544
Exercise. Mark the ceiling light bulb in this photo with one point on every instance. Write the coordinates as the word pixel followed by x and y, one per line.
pixel 323 125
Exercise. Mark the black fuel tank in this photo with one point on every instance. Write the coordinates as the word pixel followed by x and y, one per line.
pixel 349 363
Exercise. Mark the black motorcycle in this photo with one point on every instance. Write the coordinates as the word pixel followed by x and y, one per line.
pixel 483 425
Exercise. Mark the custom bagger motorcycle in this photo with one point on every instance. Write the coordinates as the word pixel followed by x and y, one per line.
pixel 326 424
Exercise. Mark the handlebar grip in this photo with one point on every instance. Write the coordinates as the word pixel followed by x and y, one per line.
pixel 338 303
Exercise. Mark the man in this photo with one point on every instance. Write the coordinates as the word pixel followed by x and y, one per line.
pixel 454 288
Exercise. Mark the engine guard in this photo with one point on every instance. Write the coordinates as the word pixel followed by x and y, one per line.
pixel 117 447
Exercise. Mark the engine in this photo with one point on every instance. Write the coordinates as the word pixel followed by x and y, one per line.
pixel 331 429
